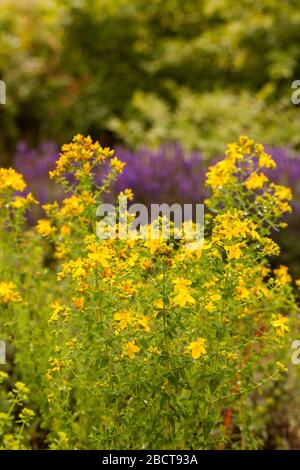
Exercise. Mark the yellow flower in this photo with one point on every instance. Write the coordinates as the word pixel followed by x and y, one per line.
pixel 220 174
pixel 144 323
pixel 230 225
pixel 242 290
pixel 256 181
pixel 196 348
pixel 181 283
pixel 127 193
pixel 210 307
pixel 58 310
pixel 233 251
pixel 154 350
pixel 124 319
pixel 279 323
pixel 44 227
pixel 266 161
pixel 117 165
pixel 130 349
pixel 297 282
pixel 10 179
pixel 21 391
pixel 282 274
pixel 26 415
pixel 182 291
pixel 159 304
pixel 20 202
pixel 270 247
pixel 65 230
pixel 79 303
pixel 99 255
pixel 72 207
pixel 8 293
pixel 282 192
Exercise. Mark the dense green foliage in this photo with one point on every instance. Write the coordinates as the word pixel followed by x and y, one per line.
pixel 171 68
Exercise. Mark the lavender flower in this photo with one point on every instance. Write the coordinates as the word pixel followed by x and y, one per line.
pixel 165 175
pixel 35 165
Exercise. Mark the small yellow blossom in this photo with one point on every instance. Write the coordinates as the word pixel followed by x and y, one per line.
pixel 20 202
pixel 124 318
pixel 117 165
pixel 279 323
pixel 196 348
pixel 266 161
pixel 256 181
pixel 159 304
pixel 233 251
pixel 8 293
pixel 72 207
pixel 10 179
pixel 282 274
pixel 44 227
pixel 130 349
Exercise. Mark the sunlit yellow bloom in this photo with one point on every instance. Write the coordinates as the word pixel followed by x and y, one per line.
pixel 127 193
pixel 282 192
pixel 266 161
pixel 124 318
pixel 220 174
pixel 65 230
pixel 196 348
pixel 242 290
pixel 117 165
pixel 130 349
pixel 44 228
pixel 282 274
pixel 72 207
pixel 256 181
pixel 210 307
pixel 10 179
pixel 159 303
pixel 270 247
pixel 8 293
pixel 59 310
pixel 99 255
pixel 182 291
pixel 20 202
pixel 279 323
pixel 233 251
pixel 21 390
pixel 79 303
pixel 144 323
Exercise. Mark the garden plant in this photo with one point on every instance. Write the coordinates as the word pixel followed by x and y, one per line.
pixel 134 343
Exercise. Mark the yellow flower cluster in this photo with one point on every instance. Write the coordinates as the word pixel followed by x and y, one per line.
pixel 11 180
pixel 9 293
pixel 82 150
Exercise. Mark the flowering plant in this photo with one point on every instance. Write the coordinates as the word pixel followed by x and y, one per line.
pixel 132 343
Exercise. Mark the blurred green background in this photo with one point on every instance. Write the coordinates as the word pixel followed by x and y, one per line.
pixel 138 71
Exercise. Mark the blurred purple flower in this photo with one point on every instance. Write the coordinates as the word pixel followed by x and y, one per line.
pixel 35 165
pixel 167 174
pixel 164 175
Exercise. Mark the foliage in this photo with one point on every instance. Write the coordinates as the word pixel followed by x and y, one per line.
pixel 134 343
pixel 178 69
